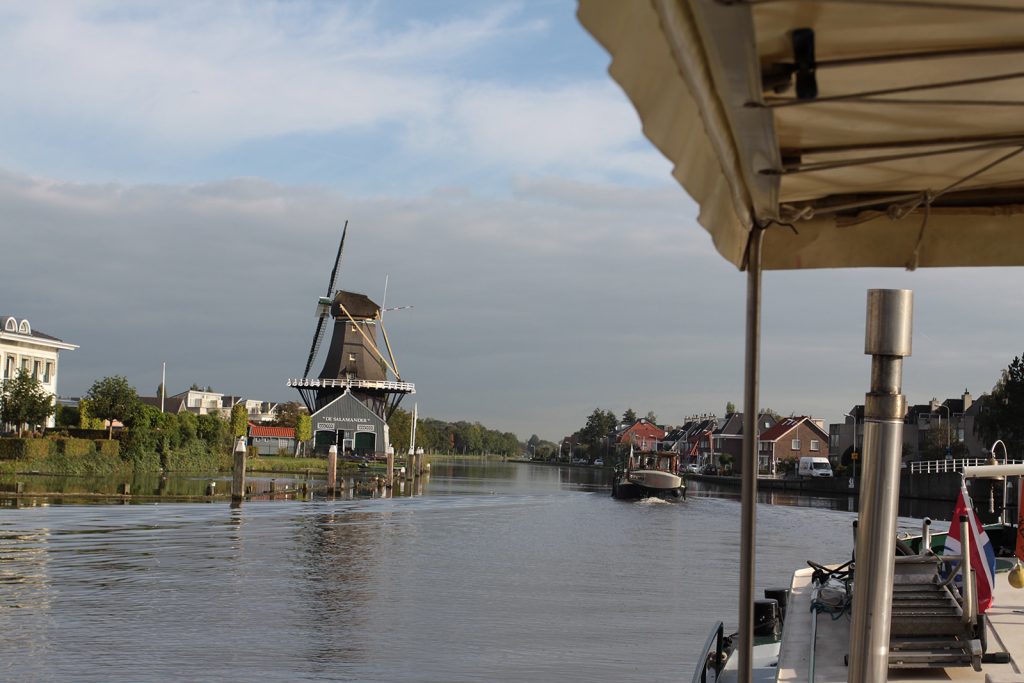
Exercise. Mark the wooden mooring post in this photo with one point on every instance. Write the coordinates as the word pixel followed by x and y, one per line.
pixel 332 470
pixel 389 480
pixel 238 472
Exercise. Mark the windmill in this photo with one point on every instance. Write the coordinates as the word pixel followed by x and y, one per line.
pixel 354 361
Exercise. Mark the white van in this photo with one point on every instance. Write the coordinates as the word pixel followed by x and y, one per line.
pixel 813 466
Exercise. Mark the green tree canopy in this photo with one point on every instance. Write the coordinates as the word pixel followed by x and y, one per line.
pixel 651 417
pixel 303 430
pixel 730 407
pixel 1002 415
pixel 629 417
pixel 111 398
pixel 24 402
pixel 239 420
pixel 288 414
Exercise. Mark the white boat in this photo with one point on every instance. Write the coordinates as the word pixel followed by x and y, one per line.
pixel 937 631
pixel 649 475
pixel 833 134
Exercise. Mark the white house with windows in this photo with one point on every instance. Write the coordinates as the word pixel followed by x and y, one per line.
pixel 201 402
pixel 22 348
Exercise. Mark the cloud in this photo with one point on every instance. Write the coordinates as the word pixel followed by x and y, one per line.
pixel 159 86
pixel 530 311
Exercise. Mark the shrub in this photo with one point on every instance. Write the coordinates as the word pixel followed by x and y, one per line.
pixel 196 457
pixel 73 448
pixel 105 447
pixel 24 449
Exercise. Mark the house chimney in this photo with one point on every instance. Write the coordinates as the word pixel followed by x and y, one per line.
pixel 967 400
pixel 933 405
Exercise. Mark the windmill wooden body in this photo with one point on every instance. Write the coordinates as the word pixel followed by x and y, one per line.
pixel 359 386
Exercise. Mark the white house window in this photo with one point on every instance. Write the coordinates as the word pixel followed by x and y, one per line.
pixel 11 326
pixel 48 373
pixel 24 328
pixel 37 369
pixel 9 367
pixel 796 444
pixel 25 364
pixel 815 446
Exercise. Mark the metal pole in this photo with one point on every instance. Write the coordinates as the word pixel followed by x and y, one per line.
pixel 238 472
pixel 887 340
pixel 748 491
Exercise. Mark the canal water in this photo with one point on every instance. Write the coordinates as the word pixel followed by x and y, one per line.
pixel 498 572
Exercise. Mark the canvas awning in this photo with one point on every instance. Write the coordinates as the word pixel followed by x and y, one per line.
pixel 858 132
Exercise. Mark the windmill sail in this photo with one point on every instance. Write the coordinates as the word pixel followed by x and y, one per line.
pixel 322 311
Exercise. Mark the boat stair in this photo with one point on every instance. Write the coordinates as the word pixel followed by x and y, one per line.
pixel 928 626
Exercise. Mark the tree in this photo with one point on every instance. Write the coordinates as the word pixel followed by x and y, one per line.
pixel 111 398
pixel 239 420
pixel 303 431
pixel 288 414
pixel 67 416
pixel 1002 415
pixel 629 417
pixel 23 401
pixel 730 407
pixel 651 417
pixel 595 433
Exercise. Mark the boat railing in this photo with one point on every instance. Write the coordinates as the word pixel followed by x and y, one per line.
pixel 951 465
pixel 716 636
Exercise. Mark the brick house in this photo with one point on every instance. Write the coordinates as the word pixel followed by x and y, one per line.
pixel 788 440
pixel 642 435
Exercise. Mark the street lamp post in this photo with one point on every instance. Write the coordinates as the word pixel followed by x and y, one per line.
pixel 949 420
pixel 1002 511
pixel 853 453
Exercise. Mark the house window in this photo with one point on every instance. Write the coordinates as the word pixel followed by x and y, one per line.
pixel 796 444
pixel 48 373
pixel 37 369
pixel 25 364
pixel 9 367
pixel 815 446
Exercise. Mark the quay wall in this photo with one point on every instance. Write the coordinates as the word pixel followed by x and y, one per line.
pixel 943 486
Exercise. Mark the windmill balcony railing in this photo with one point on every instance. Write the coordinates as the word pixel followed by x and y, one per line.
pixel 951 465
pixel 384 385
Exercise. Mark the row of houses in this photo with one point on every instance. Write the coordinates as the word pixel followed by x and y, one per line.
pixel 709 441
pixel 209 402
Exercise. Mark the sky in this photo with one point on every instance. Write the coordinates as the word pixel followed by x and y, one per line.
pixel 174 178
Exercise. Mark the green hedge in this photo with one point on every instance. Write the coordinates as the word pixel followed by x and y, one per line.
pixel 24 449
pixel 196 457
pixel 108 447
pixel 75 448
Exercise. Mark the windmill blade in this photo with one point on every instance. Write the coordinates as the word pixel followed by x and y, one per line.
pixel 394 363
pixel 337 261
pixel 318 336
pixel 396 308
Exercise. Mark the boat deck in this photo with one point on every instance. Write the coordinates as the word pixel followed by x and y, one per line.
pixel 1005 634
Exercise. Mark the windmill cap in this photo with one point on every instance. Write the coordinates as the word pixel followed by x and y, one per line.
pixel 359 306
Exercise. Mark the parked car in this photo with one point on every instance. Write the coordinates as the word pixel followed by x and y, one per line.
pixel 599 462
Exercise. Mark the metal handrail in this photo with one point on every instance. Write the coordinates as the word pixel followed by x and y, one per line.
pixel 957 465
pixel 700 675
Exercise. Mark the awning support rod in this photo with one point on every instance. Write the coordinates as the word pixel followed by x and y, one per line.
pixel 748 491
pixel 901 144
pixel 776 103
pixel 792 169
pixel 915 4
pixel 914 56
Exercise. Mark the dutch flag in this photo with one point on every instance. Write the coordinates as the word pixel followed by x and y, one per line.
pixel 983 557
